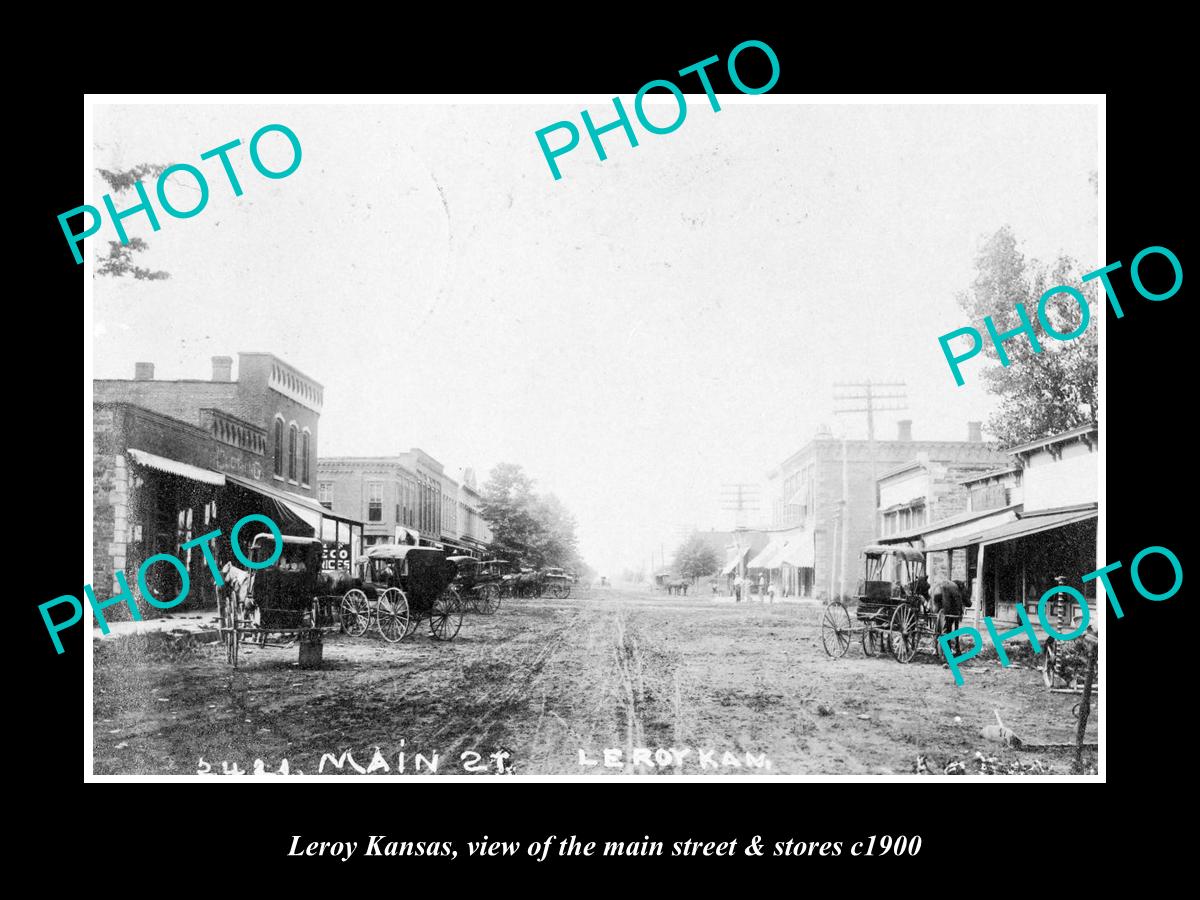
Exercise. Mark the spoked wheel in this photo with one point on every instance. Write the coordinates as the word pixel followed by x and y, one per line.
pixel 488 599
pixel 1049 660
pixel 872 640
pixel 392 615
pixel 355 613
pixel 558 590
pixel 836 630
pixel 445 615
pixel 906 633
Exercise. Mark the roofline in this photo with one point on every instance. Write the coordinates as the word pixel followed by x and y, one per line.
pixel 992 474
pixel 1054 438
pixel 279 359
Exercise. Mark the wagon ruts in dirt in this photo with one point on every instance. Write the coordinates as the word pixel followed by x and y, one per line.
pixel 398 586
pixel 478 583
pixel 284 601
pixel 892 613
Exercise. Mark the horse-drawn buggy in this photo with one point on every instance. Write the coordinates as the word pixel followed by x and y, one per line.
pixel 284 600
pixel 478 583
pixel 398 586
pixel 893 610
pixel 554 582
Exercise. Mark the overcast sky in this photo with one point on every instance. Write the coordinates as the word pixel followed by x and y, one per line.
pixel 635 334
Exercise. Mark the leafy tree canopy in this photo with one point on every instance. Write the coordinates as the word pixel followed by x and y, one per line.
pixel 535 529
pixel 1039 393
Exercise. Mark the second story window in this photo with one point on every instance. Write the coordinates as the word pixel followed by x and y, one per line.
pixel 304 451
pixel 293 434
pixel 375 502
pixel 325 494
pixel 279 447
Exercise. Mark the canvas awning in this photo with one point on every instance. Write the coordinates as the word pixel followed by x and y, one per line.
pixel 800 498
pixel 280 509
pixel 1023 527
pixel 799 551
pixel 403 531
pixel 175 467
pixel 735 557
pixel 765 558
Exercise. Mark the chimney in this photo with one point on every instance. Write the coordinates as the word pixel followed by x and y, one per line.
pixel 975 432
pixel 905 430
pixel 222 368
pixel 143 371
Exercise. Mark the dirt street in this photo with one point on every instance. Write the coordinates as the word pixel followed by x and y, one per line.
pixel 664 684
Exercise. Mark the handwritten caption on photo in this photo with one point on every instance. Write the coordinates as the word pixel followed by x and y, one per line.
pixel 1026 327
pixel 126 595
pixel 1026 627
pixel 382 845
pixel 622 120
pixel 164 177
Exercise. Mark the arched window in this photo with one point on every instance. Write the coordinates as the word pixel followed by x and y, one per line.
pixel 279 446
pixel 304 450
pixel 293 434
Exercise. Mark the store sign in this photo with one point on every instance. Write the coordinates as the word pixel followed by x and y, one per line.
pixel 336 556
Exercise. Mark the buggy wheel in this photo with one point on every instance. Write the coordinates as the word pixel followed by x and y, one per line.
pixel 905 633
pixel 445 615
pixel 558 591
pixel 489 599
pixel 355 613
pixel 392 615
pixel 872 640
pixel 1049 661
pixel 836 630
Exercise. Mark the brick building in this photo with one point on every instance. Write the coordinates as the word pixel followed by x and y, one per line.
pixel 176 459
pixel 809 488
pixel 407 498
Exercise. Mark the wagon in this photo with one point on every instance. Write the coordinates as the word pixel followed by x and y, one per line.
pixel 892 611
pixel 554 582
pixel 283 601
pixel 398 586
pixel 478 583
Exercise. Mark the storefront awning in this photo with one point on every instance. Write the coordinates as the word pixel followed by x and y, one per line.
pixel 275 506
pixel 799 551
pixel 175 467
pixel 736 557
pixel 766 558
pixel 1023 527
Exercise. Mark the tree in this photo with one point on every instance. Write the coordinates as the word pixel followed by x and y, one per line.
pixel 695 558
pixel 538 530
pixel 1039 393
pixel 119 261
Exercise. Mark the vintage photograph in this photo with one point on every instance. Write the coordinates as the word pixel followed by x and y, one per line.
pixel 414 459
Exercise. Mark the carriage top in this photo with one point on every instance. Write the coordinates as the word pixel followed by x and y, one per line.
pixel 261 539
pixel 906 553
pixel 396 551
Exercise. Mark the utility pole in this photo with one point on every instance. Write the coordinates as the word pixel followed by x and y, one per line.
pixel 870 398
pixel 739 498
pixel 867 393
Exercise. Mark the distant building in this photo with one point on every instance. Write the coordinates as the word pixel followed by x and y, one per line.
pixel 810 488
pixel 407 498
